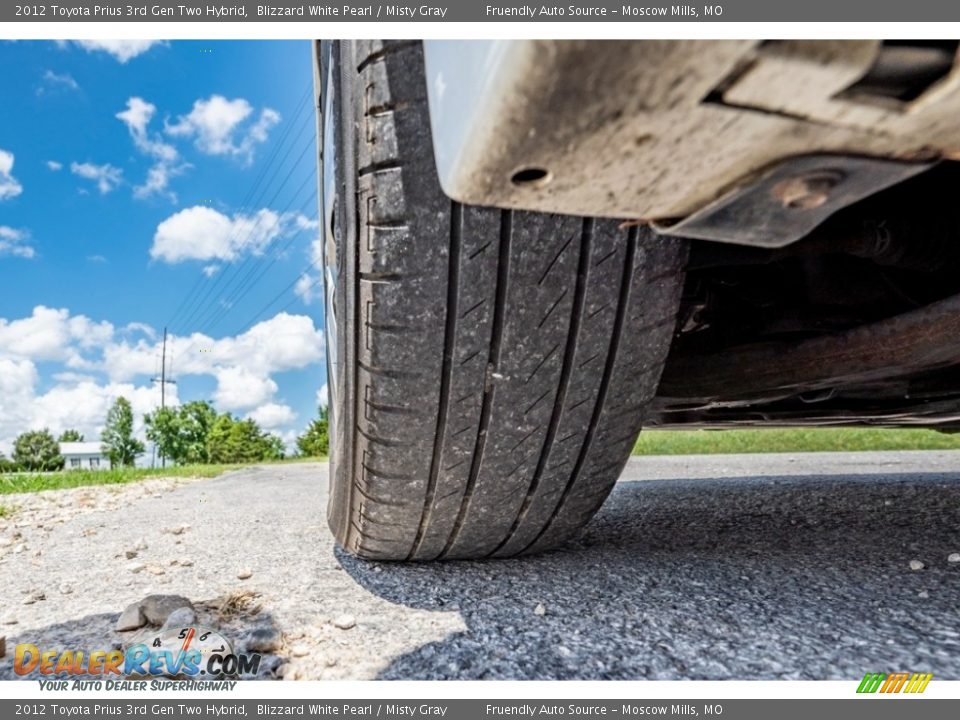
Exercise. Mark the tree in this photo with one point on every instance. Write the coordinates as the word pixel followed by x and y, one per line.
pixel 70 435
pixel 118 442
pixel 241 441
pixel 274 448
pixel 7 466
pixel 181 433
pixel 315 442
pixel 37 450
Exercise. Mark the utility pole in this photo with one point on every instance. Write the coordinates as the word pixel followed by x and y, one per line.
pixel 163 384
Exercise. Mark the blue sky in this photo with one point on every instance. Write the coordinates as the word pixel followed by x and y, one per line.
pixel 145 184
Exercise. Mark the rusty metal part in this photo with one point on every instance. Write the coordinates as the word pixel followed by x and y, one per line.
pixel 904 412
pixel 923 339
pixel 658 129
pixel 790 200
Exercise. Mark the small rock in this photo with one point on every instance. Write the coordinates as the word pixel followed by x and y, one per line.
pixel 916 565
pixel 345 622
pixel 131 618
pixel 264 640
pixel 953 558
pixel 923 594
pixel 135 567
pixel 300 651
pixel 140 544
pixel 20 548
pixel 157 608
pixel 177 530
pixel 182 562
pixel 34 596
pixel 285 671
pixel 181 617
pixel 130 554
pixel 564 651
pixel 66 590
pixel 330 661
pixel 155 570
pixel 540 610
pixel 10 620
pixel 244 574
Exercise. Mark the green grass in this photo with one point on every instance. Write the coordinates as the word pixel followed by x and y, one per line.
pixel 712 442
pixel 78 478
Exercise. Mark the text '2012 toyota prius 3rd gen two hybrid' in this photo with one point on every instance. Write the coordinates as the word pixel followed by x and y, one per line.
pixel 534 248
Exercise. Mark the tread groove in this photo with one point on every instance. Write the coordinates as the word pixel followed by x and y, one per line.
pixel 496 339
pixel 551 309
pixel 566 371
pixel 542 363
pixel 380 54
pixel 555 258
pixel 449 336
pixel 615 337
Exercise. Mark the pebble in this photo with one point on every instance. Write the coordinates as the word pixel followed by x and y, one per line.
pixel 10 620
pixel 157 608
pixel 264 640
pixel 300 651
pixel 66 590
pixel 131 618
pixel 244 574
pixel 181 617
pixel 540 610
pixel 345 622
pixel 916 565
pixel 155 570
pixel 953 558
pixel 923 594
pixel 177 530
pixel 135 567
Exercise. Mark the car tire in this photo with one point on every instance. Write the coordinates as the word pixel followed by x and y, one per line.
pixel 490 368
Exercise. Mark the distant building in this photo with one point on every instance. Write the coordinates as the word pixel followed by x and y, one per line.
pixel 83 456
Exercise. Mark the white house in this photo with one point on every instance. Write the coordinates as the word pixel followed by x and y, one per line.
pixel 83 455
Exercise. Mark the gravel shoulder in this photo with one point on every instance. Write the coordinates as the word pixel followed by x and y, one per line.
pixel 745 567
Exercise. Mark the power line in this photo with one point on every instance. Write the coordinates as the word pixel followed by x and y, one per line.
pixel 246 203
pixel 236 270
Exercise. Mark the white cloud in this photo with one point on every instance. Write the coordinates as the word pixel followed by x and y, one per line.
pixel 210 270
pixel 323 396
pixel 106 176
pixel 238 388
pixel 122 49
pixel 137 118
pixel 14 242
pixel 58 80
pixel 96 258
pixel 53 335
pixel 309 286
pixel 54 165
pixel 99 362
pixel 202 233
pixel 272 416
pixel 215 124
pixel 9 186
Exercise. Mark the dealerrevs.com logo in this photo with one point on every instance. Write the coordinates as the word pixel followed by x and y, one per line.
pixel 188 652
pixel 894 682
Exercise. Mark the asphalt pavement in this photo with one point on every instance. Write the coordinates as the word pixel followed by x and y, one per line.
pixel 820 566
